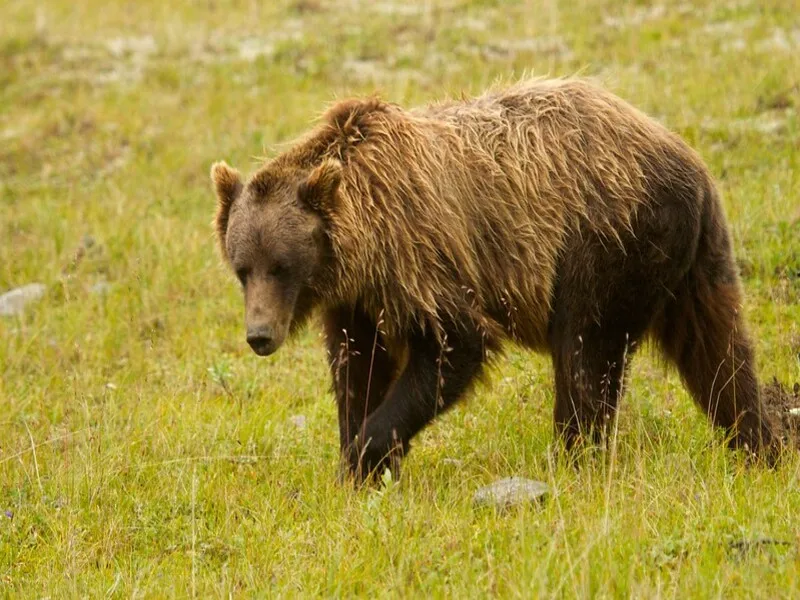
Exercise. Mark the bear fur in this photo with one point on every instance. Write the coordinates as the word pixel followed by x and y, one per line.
pixel 550 213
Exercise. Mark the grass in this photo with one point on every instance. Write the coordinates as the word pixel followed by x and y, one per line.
pixel 145 451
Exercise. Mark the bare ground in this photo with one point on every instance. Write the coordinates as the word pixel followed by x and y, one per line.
pixel 779 402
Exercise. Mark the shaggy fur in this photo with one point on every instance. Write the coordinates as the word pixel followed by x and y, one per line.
pixel 551 213
pixel 228 185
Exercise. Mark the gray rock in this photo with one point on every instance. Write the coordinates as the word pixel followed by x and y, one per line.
pixel 298 421
pixel 13 302
pixel 512 491
pixel 101 288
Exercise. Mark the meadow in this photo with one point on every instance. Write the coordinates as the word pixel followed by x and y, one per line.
pixel 145 451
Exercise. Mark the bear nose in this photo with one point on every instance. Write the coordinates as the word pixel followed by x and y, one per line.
pixel 261 340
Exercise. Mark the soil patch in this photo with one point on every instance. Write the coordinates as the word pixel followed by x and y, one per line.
pixel 783 410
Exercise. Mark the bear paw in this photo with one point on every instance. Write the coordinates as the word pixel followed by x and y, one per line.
pixel 367 462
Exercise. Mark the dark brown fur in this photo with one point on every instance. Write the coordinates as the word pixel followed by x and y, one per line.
pixel 551 213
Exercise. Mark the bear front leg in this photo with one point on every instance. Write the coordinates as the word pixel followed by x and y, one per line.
pixel 589 371
pixel 361 367
pixel 436 376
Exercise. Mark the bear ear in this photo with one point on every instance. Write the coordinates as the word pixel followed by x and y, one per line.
pixel 228 185
pixel 318 191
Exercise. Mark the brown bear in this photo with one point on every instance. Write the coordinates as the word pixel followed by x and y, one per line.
pixel 550 213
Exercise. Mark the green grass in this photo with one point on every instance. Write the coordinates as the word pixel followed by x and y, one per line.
pixel 145 451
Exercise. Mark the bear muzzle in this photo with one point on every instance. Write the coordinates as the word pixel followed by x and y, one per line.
pixel 262 340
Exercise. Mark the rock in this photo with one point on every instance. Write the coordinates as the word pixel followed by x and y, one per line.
pixel 101 288
pixel 298 421
pixel 794 412
pixel 13 302
pixel 87 241
pixel 512 491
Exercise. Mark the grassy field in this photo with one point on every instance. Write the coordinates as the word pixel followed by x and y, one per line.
pixel 145 451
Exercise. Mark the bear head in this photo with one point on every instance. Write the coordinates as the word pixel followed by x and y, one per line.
pixel 272 233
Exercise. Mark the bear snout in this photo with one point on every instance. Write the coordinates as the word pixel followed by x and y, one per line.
pixel 262 340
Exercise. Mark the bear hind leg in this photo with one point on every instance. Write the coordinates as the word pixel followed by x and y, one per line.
pixel 701 330
pixel 702 333
pixel 604 303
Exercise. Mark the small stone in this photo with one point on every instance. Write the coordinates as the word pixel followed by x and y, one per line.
pixel 13 302
pixel 512 491
pixel 101 288
pixel 298 421
pixel 794 412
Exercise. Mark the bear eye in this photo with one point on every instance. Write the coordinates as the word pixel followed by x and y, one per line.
pixel 278 270
pixel 242 274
